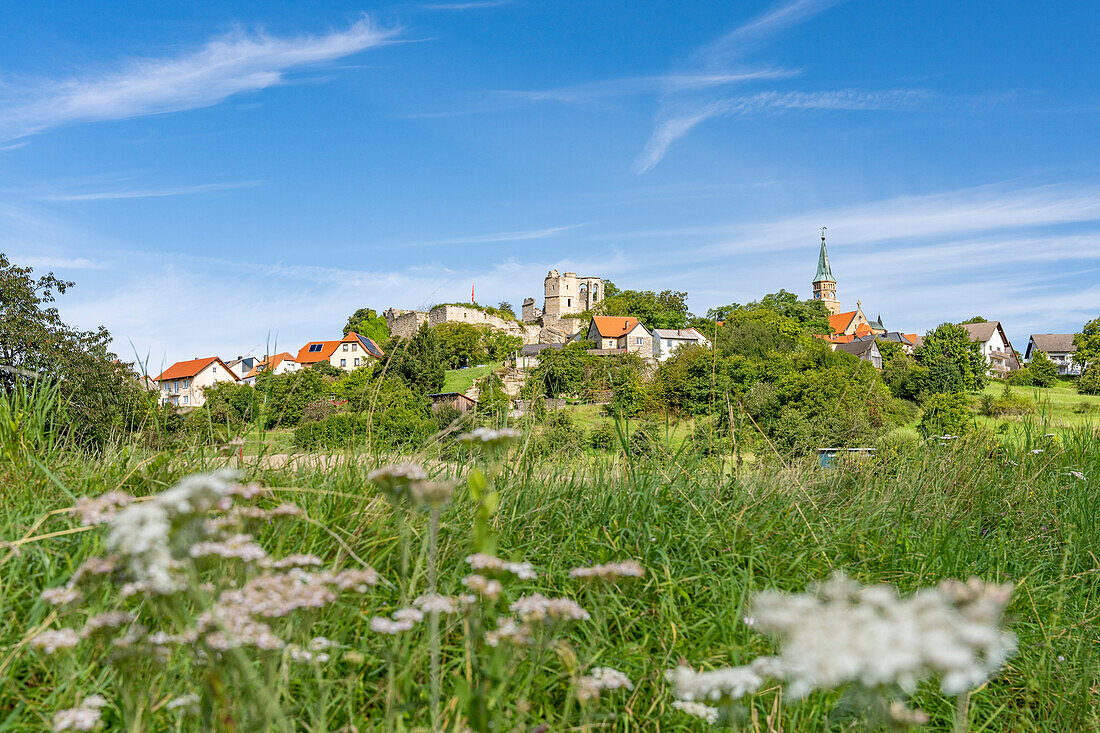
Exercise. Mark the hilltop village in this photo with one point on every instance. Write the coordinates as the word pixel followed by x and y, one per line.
pixel 572 312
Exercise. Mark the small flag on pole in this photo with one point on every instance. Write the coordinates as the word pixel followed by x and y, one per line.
pixel 472 294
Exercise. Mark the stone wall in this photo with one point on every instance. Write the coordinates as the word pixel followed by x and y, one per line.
pixel 404 323
pixel 462 314
pixel 567 294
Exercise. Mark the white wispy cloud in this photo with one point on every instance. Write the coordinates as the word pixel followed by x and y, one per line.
pixel 516 236
pixel 679 121
pixel 149 193
pixel 60 263
pixel 466 6
pixel 639 85
pixel 223 67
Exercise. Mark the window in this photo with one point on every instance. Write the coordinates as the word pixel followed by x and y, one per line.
pixel 185 399
pixel 345 347
pixel 353 347
pixel 356 361
pixel 568 302
pixel 638 341
pixel 314 348
pixel 215 370
pixel 343 362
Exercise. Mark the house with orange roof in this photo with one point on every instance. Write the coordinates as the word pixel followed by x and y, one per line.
pixel 350 352
pixel 182 384
pixel 621 332
pixel 282 363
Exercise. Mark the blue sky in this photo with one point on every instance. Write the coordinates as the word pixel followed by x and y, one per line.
pixel 221 175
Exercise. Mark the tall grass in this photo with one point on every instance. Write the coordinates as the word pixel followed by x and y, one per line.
pixel 1027 511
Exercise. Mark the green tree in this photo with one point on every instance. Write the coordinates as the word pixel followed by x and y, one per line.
pixel 973 319
pixel 560 371
pixel 461 344
pixel 492 399
pixel 1043 372
pixel 628 396
pixel 417 361
pixel 811 314
pixel 951 342
pixel 756 333
pixel 283 397
pixel 666 309
pixel 102 396
pixel 505 307
pixel 366 322
pixel 1087 344
pixel 499 344
pixel 946 414
pixel 1089 382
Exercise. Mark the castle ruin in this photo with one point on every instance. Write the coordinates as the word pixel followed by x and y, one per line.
pixel 564 295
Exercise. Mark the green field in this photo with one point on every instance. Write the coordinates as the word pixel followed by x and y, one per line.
pixel 460 380
pixel 1057 407
pixel 708 539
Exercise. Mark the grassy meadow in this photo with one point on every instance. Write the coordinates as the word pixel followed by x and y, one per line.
pixel 1023 509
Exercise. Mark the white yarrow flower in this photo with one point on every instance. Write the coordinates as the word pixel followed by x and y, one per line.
pixel 697 709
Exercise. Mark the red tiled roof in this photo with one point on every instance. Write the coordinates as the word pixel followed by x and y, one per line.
pixel 305 356
pixel 863 329
pixel 911 336
pixel 613 327
pixel 840 321
pixel 275 362
pixel 187 369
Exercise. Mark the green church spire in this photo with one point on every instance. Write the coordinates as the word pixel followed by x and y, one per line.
pixel 824 272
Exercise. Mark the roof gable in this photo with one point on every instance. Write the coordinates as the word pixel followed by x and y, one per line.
pixel 981 331
pixel 1059 343
pixel 839 322
pixel 613 327
pixel 316 351
pixel 190 368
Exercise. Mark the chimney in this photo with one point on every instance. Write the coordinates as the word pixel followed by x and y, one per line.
pixel 239 357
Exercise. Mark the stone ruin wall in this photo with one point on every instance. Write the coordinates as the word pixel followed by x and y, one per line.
pixel 404 323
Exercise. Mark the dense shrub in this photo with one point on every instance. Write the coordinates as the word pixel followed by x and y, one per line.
pixel 946 414
pixel 1044 373
pixel 335 431
pixel 1089 382
pixel 604 437
pixel 1009 403
pixel 318 410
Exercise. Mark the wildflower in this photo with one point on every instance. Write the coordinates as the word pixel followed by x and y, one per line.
pixel 291 561
pixel 841 632
pixel 610 571
pixel 357 580
pixel 188 703
pixel 382 625
pixel 60 596
pixel 239 546
pixel 51 640
pixel 84 717
pixel 599 679
pixel 904 717
pixel 228 627
pixel 298 654
pixel 100 509
pixel 258 513
pixel 435 603
pixel 432 494
pixel 1077 475
pixel 510 632
pixel 408 614
pixel 319 643
pixel 394 480
pixel 105 622
pixel 479 584
pixel 725 684
pixel 140 532
pixel 489 438
pixel 275 596
pixel 697 709
pixel 537 607
pixel 94 566
pixel 489 563
pixel 1037 451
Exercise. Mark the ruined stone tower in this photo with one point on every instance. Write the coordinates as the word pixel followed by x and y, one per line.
pixel 566 294
pixel 824 282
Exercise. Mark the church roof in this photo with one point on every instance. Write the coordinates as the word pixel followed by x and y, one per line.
pixel 824 272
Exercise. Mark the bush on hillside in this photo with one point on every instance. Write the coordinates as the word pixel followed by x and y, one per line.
pixel 604 437
pixel 1009 403
pixel 1089 382
pixel 946 414
pixel 1044 373
pixel 318 410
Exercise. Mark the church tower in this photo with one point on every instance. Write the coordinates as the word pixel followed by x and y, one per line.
pixel 824 283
